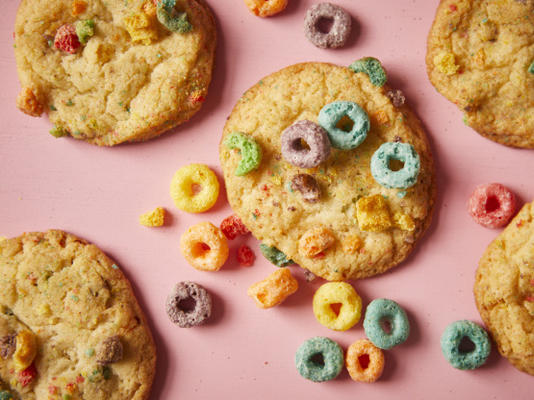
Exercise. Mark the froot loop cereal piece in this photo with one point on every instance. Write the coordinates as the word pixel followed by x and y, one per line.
pixel 373 68
pixel 382 171
pixel 188 305
pixel 204 246
pixel 232 226
pixel 85 29
pixel 397 97
pixel 274 289
pixel 531 68
pixel 305 144
pixel 266 8
pixel 379 314
pixel 337 306
pixel 351 244
pixel 27 376
pixel 245 256
pixel 327 25
pixel 58 131
pixel 364 361
pixel 110 351
pixel 5 395
pixel 332 113
pixel 491 205
pixel 404 222
pixel 315 241
pixel 275 256
pixel 194 188
pixel 28 102
pixel 250 152
pixel 319 359
pixel 139 26
pixel 373 214
pixel 446 63
pixel 66 39
pixel 307 186
pixel 153 218
pixel 78 7
pixel 475 339
pixel 25 350
pixel 171 19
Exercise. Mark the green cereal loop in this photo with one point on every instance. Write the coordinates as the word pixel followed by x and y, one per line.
pixel 308 359
pixel 451 345
pixel 275 256
pixel 250 152
pixel 85 29
pixel 170 19
pixel 531 68
pixel 380 310
pixel 58 131
pixel 403 178
pixel 5 395
pixel 372 67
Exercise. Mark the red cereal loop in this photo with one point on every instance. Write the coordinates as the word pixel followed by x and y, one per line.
pixel 492 205
pixel 245 256
pixel 232 226
pixel 66 39
pixel 27 375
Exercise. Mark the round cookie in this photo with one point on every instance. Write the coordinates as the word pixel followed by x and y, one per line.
pixel 480 56
pixel 373 227
pixel 73 311
pixel 504 290
pixel 132 80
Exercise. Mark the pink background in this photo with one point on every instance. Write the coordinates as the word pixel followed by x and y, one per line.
pixel 245 352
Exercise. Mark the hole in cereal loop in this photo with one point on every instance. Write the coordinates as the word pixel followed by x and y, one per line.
pixel 317 359
pixel 324 24
pixel 386 325
pixel 196 188
pixel 345 123
pixel 492 204
pixel 200 249
pixel 395 165
pixel 187 305
pixel 336 308
pixel 364 360
pixel 466 345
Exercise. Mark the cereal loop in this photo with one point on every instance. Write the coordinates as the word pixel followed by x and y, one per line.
pixel 381 312
pixel 372 67
pixel 274 289
pixel 232 226
pixel 337 306
pixel 492 205
pixel 85 29
pixel 266 8
pixel 384 174
pixel 250 152
pixel 373 214
pixel 305 144
pixel 110 351
pixel 188 305
pixel 204 247
pixel 275 256
pixel 319 359
pixel 245 256
pixel 307 186
pixel 194 188
pixel 364 361
pixel 25 350
pixel 316 28
pixel 66 39
pixel 171 19
pixel 348 137
pixel 315 241
pixel 453 339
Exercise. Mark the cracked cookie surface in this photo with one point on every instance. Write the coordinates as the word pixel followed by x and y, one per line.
pixel 73 301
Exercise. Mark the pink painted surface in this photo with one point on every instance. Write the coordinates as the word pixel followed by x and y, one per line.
pixel 245 352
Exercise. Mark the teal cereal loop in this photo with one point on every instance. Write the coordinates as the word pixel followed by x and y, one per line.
pixel 452 341
pixel 5 395
pixel 85 29
pixel 404 177
pixel 531 68
pixel 250 152
pixel 332 113
pixel 384 311
pixel 372 67
pixel 275 256
pixel 170 19
pixel 319 359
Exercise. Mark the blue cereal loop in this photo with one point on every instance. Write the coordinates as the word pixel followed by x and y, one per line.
pixel 403 178
pixel 319 359
pixel 173 21
pixel 451 340
pixel 381 310
pixel 331 114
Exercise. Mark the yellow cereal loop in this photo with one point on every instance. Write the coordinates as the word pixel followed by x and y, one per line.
pixel 315 240
pixel 140 28
pixel 194 188
pixel 204 246
pixel 351 244
pixel 274 289
pixel 337 306
pixel 373 214
pixel 404 221
pixel 446 63
pixel 364 361
pixel 25 350
pixel 153 218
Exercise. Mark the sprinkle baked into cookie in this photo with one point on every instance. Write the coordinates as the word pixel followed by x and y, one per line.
pixel 114 71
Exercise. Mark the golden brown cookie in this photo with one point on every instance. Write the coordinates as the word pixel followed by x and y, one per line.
pixel 504 290
pixel 480 55
pixel 349 226
pixel 70 326
pixel 110 71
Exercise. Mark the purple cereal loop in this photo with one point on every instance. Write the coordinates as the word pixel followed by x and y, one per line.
pixel 307 186
pixel 193 293
pixel 315 137
pixel 397 97
pixel 339 32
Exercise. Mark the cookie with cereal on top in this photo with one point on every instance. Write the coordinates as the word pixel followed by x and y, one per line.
pixel 114 71
pixel 328 166
pixel 480 56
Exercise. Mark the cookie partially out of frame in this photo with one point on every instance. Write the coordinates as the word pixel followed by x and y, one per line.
pixel 280 216
pixel 504 290
pixel 131 81
pixel 69 301
pixel 480 55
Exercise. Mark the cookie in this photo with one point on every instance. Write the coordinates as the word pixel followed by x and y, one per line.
pixel 479 55
pixel 504 290
pixel 372 227
pixel 113 71
pixel 77 328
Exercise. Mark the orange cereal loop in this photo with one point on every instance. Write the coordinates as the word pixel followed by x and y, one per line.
pixel 364 361
pixel 274 289
pixel 204 246
pixel 78 7
pixel 266 8
pixel 315 240
pixel 28 102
